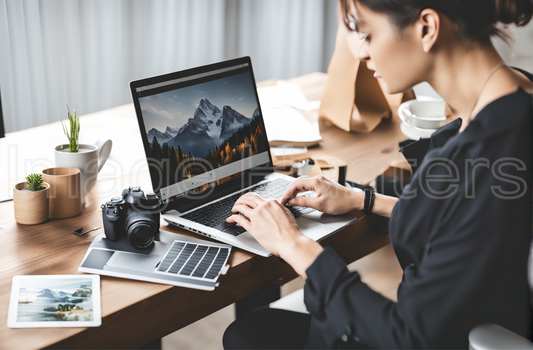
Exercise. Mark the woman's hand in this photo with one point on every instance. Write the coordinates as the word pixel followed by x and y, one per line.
pixel 331 198
pixel 269 222
pixel 275 228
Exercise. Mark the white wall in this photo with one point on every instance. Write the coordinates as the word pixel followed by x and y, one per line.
pixel 522 57
pixel 85 52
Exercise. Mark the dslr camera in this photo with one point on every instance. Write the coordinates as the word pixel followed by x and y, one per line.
pixel 133 216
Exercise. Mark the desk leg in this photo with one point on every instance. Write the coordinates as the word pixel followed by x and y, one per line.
pixel 153 345
pixel 262 297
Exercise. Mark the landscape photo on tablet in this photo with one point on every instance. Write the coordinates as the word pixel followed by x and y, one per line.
pixel 50 299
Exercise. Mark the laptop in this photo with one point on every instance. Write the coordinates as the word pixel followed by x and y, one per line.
pixel 206 145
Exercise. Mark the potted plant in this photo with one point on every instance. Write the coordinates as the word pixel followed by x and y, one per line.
pixel 74 134
pixel 88 158
pixel 31 201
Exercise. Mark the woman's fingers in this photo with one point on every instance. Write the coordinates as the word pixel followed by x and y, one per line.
pixel 304 202
pixel 294 194
pixel 244 205
pixel 297 186
pixel 239 220
pixel 243 209
pixel 249 199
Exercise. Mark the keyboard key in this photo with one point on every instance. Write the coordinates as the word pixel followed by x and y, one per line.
pixel 235 230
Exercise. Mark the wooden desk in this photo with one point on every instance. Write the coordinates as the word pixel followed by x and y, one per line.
pixel 135 313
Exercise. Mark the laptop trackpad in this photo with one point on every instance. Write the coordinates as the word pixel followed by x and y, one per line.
pixel 313 229
pixel 335 222
pixel 133 261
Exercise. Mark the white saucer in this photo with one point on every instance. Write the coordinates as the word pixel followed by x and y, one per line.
pixel 415 133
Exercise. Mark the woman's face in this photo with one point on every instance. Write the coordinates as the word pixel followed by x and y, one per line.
pixel 397 58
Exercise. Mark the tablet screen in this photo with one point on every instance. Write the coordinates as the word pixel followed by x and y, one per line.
pixel 55 301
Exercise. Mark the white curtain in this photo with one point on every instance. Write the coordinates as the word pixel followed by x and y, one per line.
pixel 85 52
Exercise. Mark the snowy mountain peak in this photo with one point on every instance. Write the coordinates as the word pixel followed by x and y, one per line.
pixel 207 128
pixel 160 136
pixel 210 114
pixel 199 117
pixel 171 131
pixel 47 293
pixel 208 107
pixel 256 113
pixel 231 121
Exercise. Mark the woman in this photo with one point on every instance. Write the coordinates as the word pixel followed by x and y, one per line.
pixel 462 227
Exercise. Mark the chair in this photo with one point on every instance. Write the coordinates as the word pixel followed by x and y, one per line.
pixel 2 129
pixel 292 302
pixel 491 337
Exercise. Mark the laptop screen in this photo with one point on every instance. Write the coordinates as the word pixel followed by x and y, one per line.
pixel 203 130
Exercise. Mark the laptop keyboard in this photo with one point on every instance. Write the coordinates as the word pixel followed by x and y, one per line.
pixel 215 214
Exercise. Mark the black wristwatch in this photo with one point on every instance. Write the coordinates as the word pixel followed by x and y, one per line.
pixel 370 195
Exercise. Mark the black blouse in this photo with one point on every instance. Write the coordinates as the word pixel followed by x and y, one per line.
pixel 461 231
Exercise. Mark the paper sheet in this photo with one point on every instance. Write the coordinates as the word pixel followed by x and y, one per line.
pixel 287 124
pixel 285 94
pixel 282 121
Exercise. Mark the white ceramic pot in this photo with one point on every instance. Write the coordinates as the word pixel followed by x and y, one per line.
pixel 89 159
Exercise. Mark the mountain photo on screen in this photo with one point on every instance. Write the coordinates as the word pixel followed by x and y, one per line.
pixel 207 125
pixel 55 300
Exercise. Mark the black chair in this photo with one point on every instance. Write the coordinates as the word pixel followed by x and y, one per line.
pixel 2 129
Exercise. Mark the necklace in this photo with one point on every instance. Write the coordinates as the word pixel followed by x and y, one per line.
pixel 498 66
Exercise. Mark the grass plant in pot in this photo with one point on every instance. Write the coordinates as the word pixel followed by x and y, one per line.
pixel 88 158
pixel 30 199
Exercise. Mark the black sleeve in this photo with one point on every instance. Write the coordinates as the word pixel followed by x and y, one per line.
pixel 474 250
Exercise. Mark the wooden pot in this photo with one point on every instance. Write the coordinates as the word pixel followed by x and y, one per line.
pixel 65 194
pixel 31 207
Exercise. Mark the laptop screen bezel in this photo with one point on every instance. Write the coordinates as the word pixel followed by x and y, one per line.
pixel 249 177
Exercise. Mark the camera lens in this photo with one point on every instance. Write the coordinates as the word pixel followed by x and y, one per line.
pixel 141 235
pixel 140 228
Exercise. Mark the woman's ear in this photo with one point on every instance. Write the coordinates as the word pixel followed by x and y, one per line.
pixel 429 25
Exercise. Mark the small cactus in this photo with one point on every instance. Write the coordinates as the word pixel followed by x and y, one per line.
pixel 35 182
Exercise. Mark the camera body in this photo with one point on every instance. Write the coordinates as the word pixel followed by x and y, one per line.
pixel 133 216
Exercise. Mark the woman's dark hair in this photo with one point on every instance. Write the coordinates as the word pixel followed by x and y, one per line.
pixel 476 19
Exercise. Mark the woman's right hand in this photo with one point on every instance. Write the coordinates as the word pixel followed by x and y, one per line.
pixel 330 197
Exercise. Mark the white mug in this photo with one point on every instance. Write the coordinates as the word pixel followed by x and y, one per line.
pixel 89 159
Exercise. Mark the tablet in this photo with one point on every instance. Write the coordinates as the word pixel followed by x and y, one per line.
pixel 55 301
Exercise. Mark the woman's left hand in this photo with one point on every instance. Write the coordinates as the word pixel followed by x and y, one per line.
pixel 271 224
pixel 275 228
